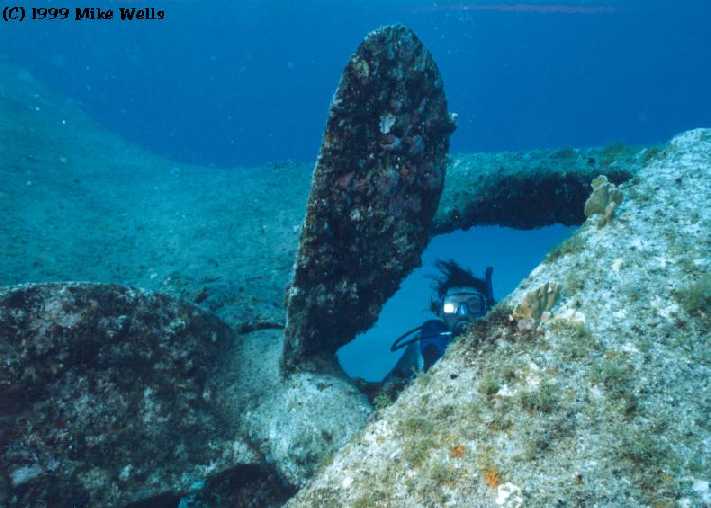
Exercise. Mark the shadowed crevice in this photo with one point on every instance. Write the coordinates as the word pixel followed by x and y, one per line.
pixel 527 190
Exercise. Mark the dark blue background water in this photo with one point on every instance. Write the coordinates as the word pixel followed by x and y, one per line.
pixel 249 81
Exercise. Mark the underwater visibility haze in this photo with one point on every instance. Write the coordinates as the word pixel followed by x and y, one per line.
pixel 235 83
pixel 356 253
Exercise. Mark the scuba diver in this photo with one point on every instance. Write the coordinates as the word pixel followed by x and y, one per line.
pixel 461 299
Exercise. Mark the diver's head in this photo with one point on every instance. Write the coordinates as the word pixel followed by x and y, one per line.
pixel 462 298
pixel 461 306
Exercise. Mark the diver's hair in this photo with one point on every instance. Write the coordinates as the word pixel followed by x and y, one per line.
pixel 454 275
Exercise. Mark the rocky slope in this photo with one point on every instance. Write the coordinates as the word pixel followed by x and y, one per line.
pixel 590 385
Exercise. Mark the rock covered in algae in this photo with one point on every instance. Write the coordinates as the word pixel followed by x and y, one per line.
pixel 604 404
pixel 604 199
pixel 526 190
pixel 376 186
pixel 535 304
pixel 107 397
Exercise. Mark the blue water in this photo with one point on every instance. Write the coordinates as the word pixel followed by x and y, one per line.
pixel 230 83
pixel 513 254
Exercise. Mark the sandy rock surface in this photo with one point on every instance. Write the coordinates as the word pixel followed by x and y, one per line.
pixel 600 399
pixel 298 422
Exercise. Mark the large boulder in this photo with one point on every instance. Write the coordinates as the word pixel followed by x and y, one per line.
pixel 297 422
pixel 589 386
pixel 376 187
pixel 109 397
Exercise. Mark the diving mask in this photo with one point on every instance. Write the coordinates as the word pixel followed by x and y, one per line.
pixel 460 306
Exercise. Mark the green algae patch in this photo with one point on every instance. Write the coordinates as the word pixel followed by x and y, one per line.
pixel 576 342
pixel 695 299
pixel 570 246
pixel 543 400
